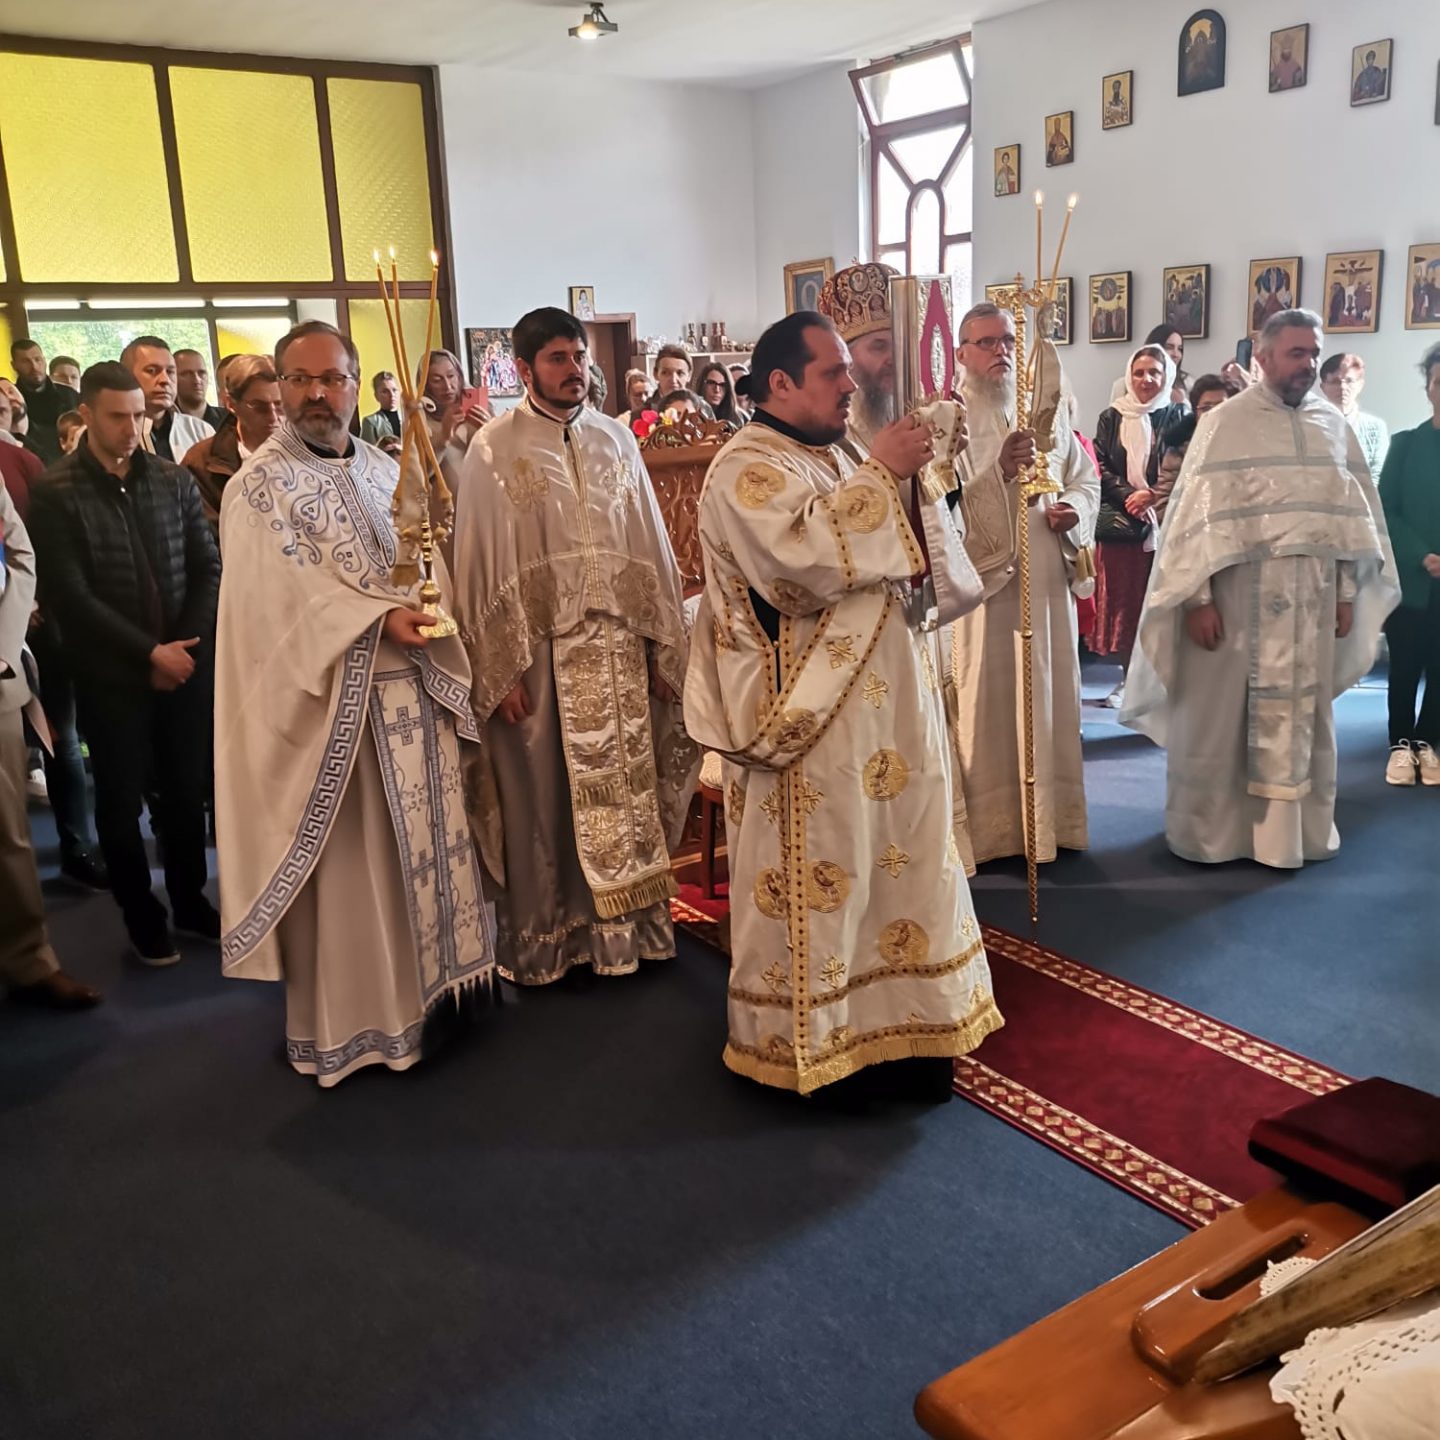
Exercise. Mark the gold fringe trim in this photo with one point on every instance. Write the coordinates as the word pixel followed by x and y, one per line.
pixel 932 483
pixel 951 1043
pixel 590 792
pixel 637 895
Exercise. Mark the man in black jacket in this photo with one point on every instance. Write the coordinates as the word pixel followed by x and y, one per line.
pixel 129 568
pixel 45 400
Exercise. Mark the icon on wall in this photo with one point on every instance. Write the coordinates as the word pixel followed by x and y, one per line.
pixel 1187 300
pixel 1007 170
pixel 1370 72
pixel 803 283
pixel 1422 309
pixel 582 302
pixel 1202 53
pixel 1116 109
pixel 1274 286
pixel 1352 292
pixel 1289 58
pixel 1060 138
pixel 1110 307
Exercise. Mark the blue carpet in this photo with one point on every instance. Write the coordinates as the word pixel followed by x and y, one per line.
pixel 577 1223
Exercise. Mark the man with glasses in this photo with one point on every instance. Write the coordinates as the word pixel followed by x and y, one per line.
pixel 987 647
pixel 356 880
pixel 252 396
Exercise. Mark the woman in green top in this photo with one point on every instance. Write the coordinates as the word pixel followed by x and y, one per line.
pixel 1410 492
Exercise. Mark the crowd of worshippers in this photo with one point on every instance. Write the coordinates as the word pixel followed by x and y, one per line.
pixel 445 810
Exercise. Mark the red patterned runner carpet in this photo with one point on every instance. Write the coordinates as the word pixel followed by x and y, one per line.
pixel 1149 1094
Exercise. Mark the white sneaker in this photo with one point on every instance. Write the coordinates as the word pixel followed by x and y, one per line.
pixel 1401 766
pixel 1427 762
pixel 1115 700
pixel 35 786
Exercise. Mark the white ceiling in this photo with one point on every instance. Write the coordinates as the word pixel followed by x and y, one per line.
pixel 731 42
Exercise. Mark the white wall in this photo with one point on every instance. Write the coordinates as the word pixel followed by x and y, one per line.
pixel 1221 177
pixel 599 182
pixel 807 179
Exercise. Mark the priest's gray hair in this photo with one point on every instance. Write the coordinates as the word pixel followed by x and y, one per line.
pixel 1287 320
pixel 985 310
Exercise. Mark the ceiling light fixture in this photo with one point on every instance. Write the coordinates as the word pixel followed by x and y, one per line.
pixel 594 25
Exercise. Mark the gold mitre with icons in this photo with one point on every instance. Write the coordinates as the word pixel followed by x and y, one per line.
pixel 856 300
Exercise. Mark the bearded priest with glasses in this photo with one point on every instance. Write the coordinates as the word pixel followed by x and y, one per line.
pixel 987 652
pixel 347 867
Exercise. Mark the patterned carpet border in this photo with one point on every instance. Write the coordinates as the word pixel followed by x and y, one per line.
pixel 1189 1200
pixel 1225 1040
pixel 1148 1178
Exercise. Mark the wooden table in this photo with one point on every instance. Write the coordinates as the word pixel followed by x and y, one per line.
pixel 1079 1374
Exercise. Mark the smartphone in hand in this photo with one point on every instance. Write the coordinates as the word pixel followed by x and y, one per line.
pixel 1245 353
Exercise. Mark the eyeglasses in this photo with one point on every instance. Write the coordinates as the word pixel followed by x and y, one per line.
pixel 331 380
pixel 992 343
pixel 714 384
pixel 265 407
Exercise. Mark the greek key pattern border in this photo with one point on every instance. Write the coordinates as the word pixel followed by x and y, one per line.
pixel 320 809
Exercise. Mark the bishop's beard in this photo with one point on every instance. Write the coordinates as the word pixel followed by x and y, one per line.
pixel 875 407
pixel 997 391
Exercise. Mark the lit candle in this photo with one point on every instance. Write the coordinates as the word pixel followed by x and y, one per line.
pixel 430 321
pixel 1039 233
pixel 1060 249
pixel 399 322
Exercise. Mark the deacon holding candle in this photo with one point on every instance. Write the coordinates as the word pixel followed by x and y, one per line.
pixel 346 706
pixel 569 601
pixel 1005 742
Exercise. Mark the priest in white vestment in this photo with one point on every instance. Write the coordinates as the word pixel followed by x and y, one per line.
pixel 347 866
pixel 856 301
pixel 988 651
pixel 816 676
pixel 569 599
pixel 1272 580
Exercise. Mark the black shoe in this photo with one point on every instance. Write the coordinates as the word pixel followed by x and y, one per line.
pixel 199 918
pixel 86 869
pixel 154 944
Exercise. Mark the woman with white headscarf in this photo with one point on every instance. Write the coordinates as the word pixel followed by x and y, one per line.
pixel 1132 502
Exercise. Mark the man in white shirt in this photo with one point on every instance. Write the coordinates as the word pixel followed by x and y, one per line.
pixel 168 432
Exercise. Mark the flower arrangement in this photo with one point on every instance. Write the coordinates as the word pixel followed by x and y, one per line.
pixel 646 422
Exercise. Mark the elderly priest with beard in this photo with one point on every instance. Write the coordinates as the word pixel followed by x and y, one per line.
pixel 988 653
pixel 813 673
pixel 346 863
pixel 1273 579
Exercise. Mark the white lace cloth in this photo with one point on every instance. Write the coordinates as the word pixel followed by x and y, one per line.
pixel 1378 1379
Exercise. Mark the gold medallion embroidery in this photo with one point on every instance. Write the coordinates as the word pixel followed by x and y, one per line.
pixel 829 887
pixel 894 860
pixel 886 775
pixel 795 599
pixel 527 488
pixel 794 729
pixel 832 972
pixel 863 508
pixel 758 486
pixel 770 894
pixel 875 690
pixel 736 808
pixel 968 926
pixel 903 943
pixel 842 652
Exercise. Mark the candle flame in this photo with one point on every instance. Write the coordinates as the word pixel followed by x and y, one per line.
pixel 1039 198
pixel 377 254
pixel 392 252
pixel 434 257
pixel 1072 202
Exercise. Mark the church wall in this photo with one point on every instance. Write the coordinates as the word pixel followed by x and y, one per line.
pixel 1219 177
pixel 643 190
pixel 807 179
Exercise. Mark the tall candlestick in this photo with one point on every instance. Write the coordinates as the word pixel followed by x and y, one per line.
pixel 399 322
pixel 1060 249
pixel 1039 234
pixel 429 322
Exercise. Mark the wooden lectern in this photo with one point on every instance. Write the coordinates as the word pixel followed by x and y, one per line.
pixel 1110 1365
pixel 676 459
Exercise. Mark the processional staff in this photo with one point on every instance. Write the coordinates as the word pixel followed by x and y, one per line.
pixel 421 491
pixel 1033 482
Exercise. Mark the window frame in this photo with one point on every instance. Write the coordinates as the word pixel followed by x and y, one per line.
pixel 16 294
pixel 883 133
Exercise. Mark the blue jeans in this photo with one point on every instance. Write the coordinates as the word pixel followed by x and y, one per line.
pixel 65 769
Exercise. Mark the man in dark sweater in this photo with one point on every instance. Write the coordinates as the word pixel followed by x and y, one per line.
pixel 45 401
pixel 130 570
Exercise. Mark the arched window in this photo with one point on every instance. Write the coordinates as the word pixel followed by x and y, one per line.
pixel 916 109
